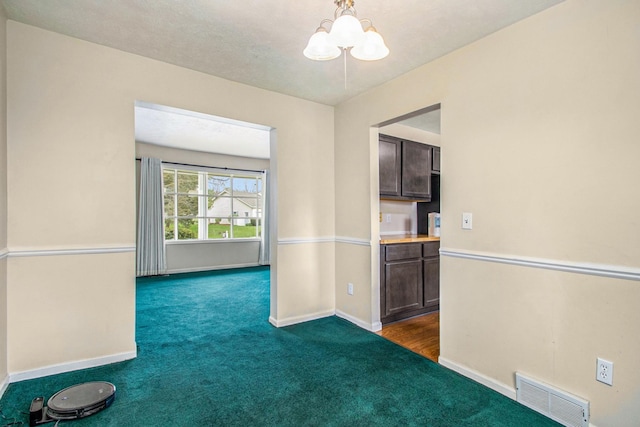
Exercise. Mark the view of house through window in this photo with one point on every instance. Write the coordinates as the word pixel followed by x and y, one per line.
pixel 202 205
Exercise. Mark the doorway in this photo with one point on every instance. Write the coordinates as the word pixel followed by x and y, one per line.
pixel 217 186
pixel 419 330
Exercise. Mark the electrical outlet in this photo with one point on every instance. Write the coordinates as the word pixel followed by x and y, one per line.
pixel 388 218
pixel 350 288
pixel 604 371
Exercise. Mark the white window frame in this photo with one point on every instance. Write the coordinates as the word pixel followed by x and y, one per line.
pixel 202 195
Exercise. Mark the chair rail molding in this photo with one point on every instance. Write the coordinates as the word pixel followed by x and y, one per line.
pixel 594 269
pixel 56 251
pixel 324 239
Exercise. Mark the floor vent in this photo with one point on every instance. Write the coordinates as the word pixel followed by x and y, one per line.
pixel 558 405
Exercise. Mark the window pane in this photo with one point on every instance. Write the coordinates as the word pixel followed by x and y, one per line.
pixel 245 206
pixel 219 228
pixel 168 179
pixel 188 182
pixel 187 205
pixel 169 232
pixel 169 206
pixel 218 206
pixel 217 184
pixel 244 228
pixel 187 229
pixel 246 185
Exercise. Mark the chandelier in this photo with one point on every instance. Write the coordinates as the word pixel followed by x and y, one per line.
pixel 346 32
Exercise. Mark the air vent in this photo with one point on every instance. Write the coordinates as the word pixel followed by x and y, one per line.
pixel 560 406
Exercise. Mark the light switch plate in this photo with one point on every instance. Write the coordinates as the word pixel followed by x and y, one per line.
pixel 467 220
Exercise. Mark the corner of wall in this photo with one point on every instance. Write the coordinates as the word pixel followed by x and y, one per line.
pixel 4 383
pixel 3 200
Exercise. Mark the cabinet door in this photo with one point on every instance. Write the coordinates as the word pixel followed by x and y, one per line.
pixel 431 281
pixel 416 170
pixel 403 286
pixel 435 163
pixel 390 164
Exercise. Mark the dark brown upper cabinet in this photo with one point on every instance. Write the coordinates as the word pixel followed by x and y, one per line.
pixel 390 153
pixel 405 169
pixel 435 160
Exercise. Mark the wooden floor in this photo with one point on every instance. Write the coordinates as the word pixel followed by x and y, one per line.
pixel 419 334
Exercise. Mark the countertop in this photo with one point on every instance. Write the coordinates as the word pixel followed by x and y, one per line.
pixel 407 238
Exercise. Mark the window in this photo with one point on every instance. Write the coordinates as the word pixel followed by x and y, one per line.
pixel 201 205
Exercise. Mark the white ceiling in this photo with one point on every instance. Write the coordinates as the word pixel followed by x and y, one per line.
pixel 260 42
pixel 173 127
pixel 428 121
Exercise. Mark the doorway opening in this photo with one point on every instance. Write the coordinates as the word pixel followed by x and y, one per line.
pixel 409 284
pixel 216 186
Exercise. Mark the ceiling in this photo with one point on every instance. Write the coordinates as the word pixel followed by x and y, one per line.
pixel 177 128
pixel 260 42
pixel 429 121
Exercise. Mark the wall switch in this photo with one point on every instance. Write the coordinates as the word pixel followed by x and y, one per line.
pixel 467 220
pixel 604 371
pixel 350 288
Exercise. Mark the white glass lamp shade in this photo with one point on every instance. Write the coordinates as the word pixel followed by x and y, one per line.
pixel 320 48
pixel 373 47
pixel 346 31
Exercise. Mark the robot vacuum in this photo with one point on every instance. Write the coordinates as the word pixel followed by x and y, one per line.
pixel 72 403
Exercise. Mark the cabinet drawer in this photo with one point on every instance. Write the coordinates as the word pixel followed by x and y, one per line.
pixel 403 251
pixel 430 249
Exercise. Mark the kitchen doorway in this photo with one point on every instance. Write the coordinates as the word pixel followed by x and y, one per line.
pixel 400 217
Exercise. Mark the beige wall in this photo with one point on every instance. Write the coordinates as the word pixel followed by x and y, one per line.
pixel 539 124
pixel 199 158
pixel 3 199
pixel 71 115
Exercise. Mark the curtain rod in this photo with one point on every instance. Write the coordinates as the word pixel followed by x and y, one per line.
pixel 210 167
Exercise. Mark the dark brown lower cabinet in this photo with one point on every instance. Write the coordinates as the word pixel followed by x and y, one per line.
pixel 431 268
pixel 404 288
pixel 409 280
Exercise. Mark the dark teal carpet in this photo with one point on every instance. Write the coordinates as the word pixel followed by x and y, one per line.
pixel 208 356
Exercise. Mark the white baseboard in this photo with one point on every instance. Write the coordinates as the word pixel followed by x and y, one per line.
pixel 300 319
pixel 372 327
pixel 501 388
pixel 210 268
pixel 375 327
pixel 3 385
pixel 72 366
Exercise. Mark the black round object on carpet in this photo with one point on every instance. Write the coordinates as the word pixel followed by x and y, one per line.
pixel 81 400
